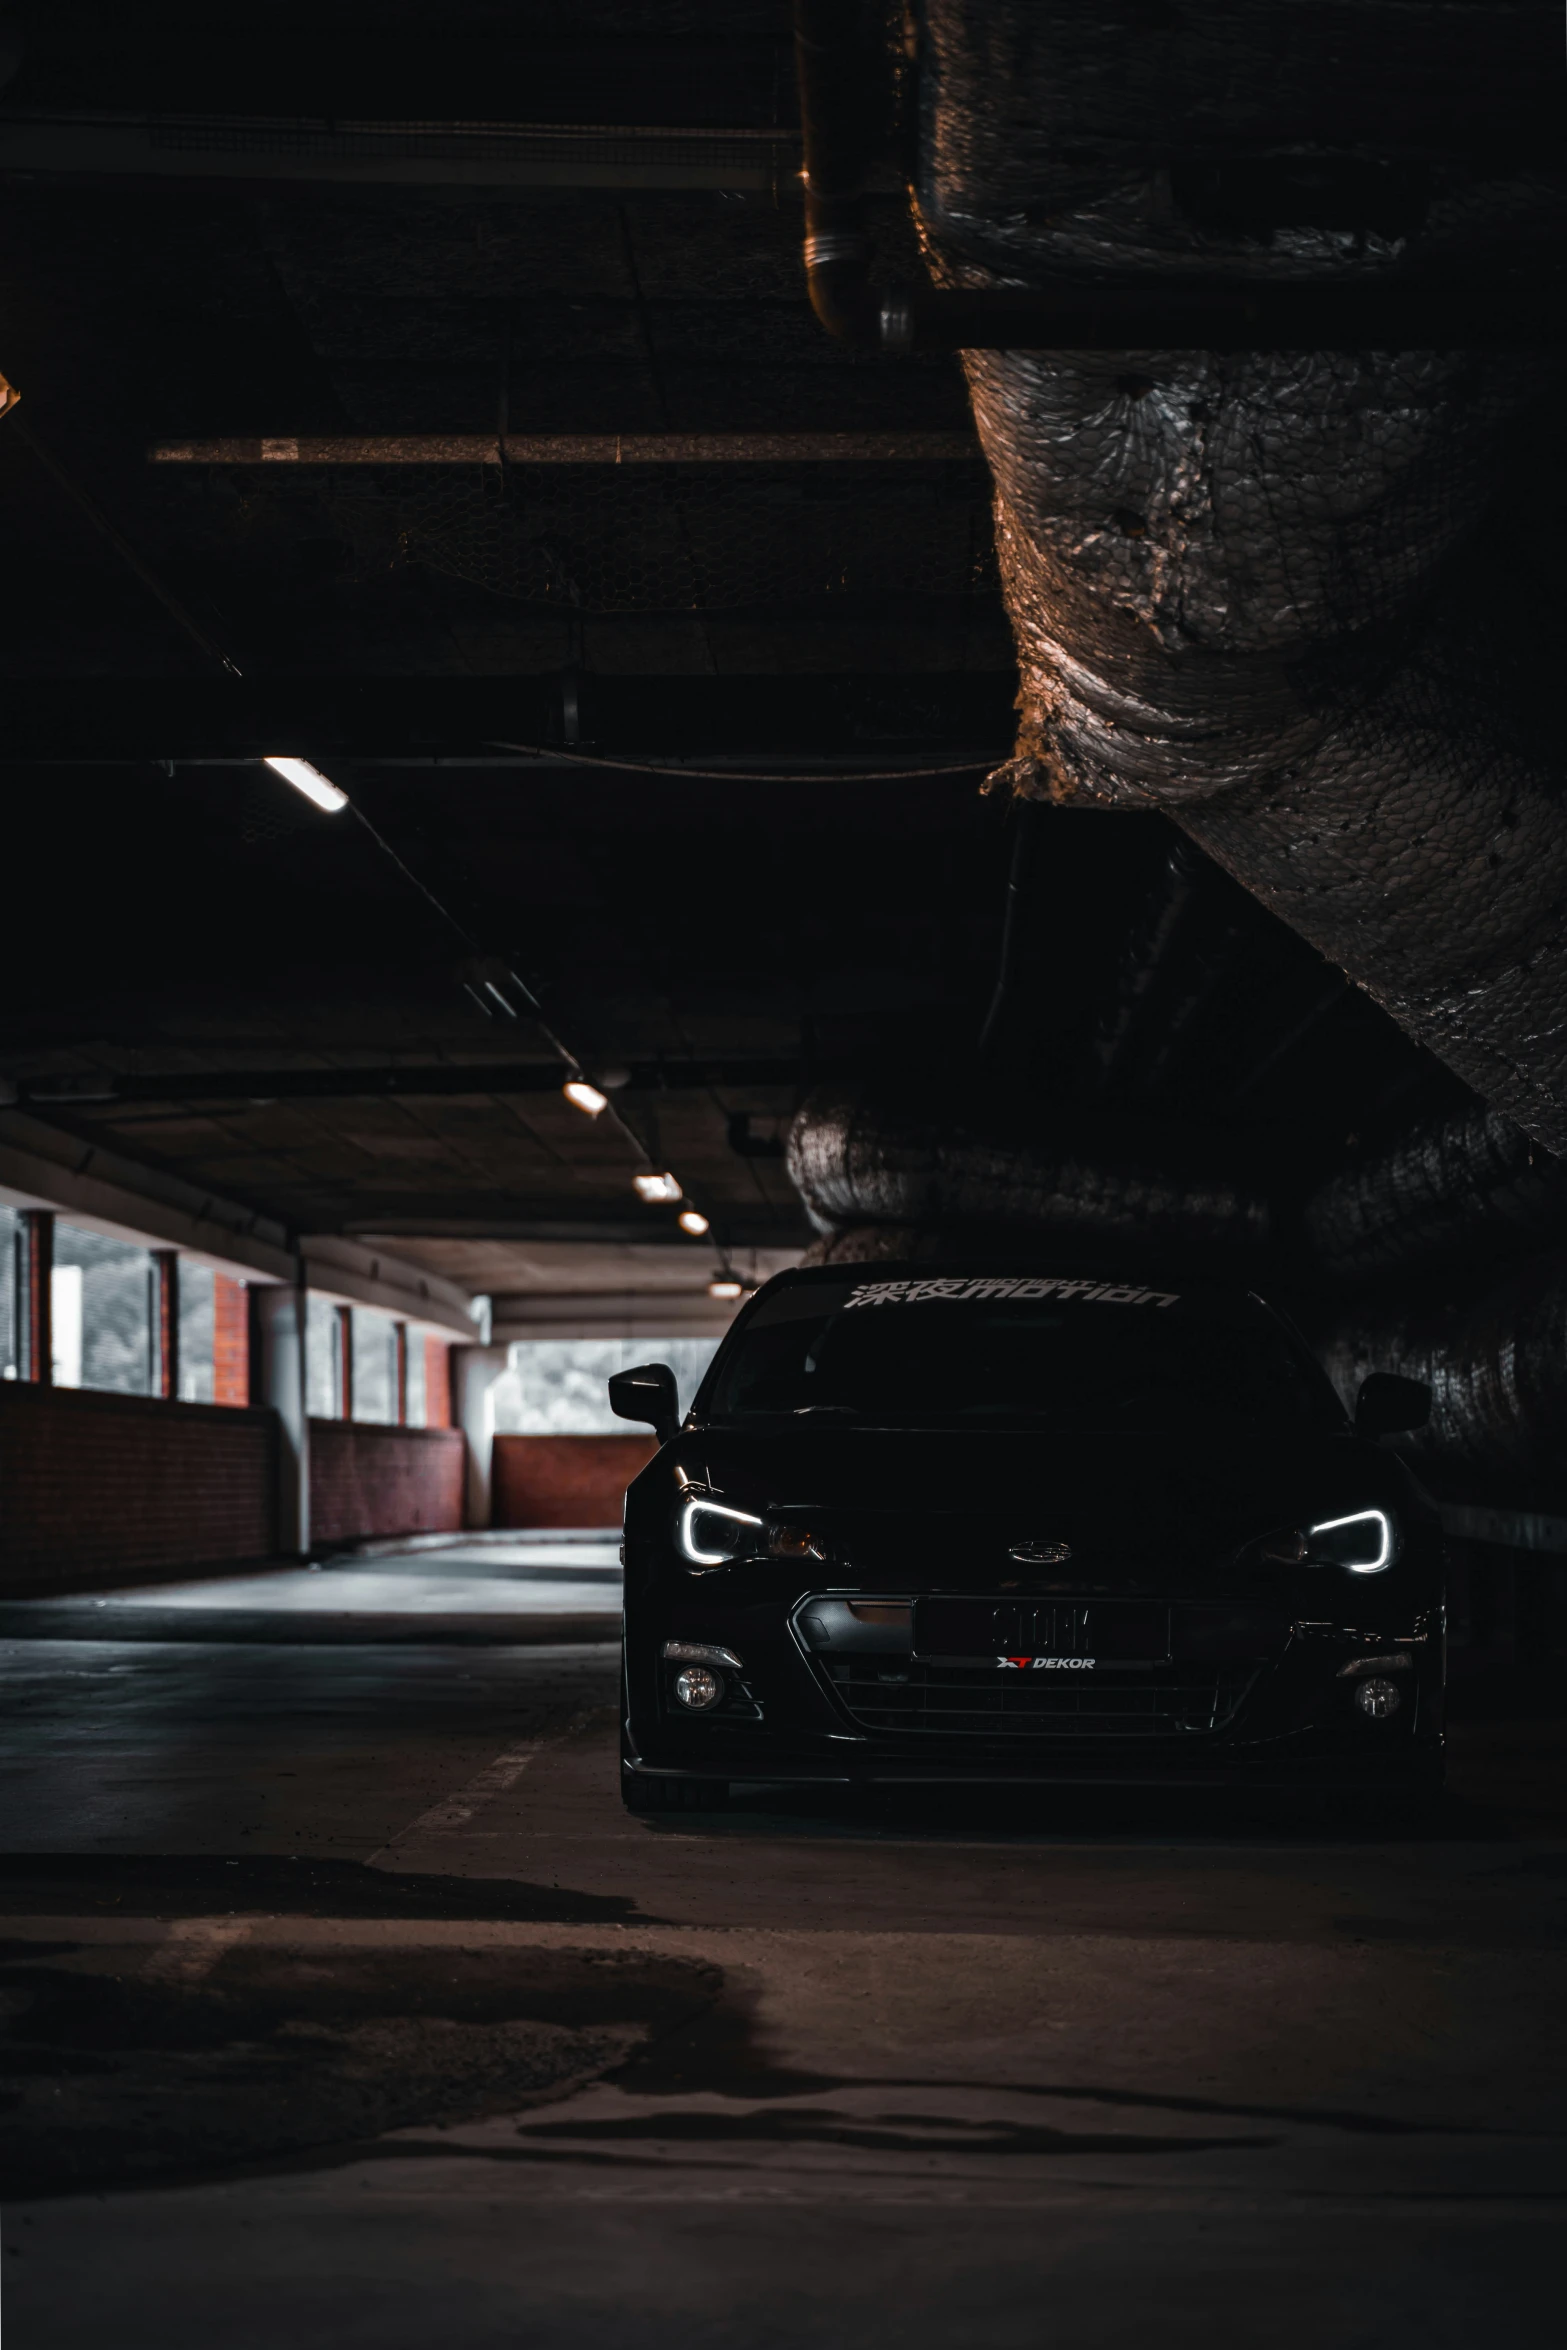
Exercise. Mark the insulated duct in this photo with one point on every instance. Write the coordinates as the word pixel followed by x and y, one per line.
pixel 881 1175
pixel 1300 600
pixel 841 82
pixel 881 1179
pixel 1469 1189
pixel 1496 1366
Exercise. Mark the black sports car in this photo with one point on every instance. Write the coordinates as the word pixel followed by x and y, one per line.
pixel 965 1524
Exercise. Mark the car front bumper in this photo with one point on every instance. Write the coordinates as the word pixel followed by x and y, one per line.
pixel 1246 1697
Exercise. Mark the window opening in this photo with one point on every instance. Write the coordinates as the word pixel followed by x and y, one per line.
pixel 374 1367
pixel 418 1351
pixel 559 1386
pixel 10 1352
pixel 198 1285
pixel 102 1303
pixel 321 1396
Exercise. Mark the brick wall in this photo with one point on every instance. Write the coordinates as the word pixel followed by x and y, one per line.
pixel 565 1480
pixel 230 1340
pixel 437 1383
pixel 373 1480
pixel 104 1489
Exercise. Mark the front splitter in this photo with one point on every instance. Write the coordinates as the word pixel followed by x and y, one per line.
pixel 1410 1772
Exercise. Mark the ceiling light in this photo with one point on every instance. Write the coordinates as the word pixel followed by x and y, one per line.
pixel 656 1189
pixel 583 1096
pixel 726 1286
pixel 693 1221
pixel 310 781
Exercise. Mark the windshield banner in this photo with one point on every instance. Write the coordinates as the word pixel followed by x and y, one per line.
pixel 911 1293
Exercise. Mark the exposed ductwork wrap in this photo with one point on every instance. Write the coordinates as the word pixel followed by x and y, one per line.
pixel 882 1178
pixel 1472 1188
pixel 866 1164
pixel 1497 1370
pixel 874 1244
pixel 1270 593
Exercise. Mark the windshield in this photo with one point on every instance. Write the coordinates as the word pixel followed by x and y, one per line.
pixel 1068 1355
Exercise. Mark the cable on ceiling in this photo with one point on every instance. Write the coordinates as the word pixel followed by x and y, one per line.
pixel 553 757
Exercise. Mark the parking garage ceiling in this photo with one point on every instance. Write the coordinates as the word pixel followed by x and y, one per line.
pixel 386 401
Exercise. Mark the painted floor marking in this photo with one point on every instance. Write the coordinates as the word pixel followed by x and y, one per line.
pixel 452 1815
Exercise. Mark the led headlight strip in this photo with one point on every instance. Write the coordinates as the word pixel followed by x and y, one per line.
pixel 693 1527
pixel 1362 1543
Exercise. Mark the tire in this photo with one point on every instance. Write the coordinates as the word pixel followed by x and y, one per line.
pixel 640 1792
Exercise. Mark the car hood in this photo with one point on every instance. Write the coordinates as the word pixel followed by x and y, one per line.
pixel 891 1495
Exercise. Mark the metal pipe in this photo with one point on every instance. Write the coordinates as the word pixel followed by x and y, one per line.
pixel 1011 924
pixel 1392 312
pixel 829 52
pixel 579 448
pixel 112 536
pixel 1183 873
pixel 444 1079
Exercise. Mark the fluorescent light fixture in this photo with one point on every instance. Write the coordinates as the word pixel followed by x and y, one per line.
pixel 656 1189
pixel 693 1221
pixel 583 1096
pixel 310 781
pixel 726 1286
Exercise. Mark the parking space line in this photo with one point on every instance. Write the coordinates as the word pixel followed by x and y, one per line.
pixel 452 1814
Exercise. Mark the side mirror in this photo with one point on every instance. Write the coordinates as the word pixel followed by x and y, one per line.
pixel 648 1394
pixel 1390 1406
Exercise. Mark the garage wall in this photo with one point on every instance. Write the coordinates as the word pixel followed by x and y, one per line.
pixel 366 1480
pixel 100 1489
pixel 565 1480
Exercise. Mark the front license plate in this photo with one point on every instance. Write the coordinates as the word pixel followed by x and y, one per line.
pixel 1108 1631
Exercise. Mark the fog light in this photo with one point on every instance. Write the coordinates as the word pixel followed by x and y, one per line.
pixel 697 1688
pixel 1378 1699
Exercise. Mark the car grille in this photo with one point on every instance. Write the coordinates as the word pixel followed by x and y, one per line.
pixel 1173 1701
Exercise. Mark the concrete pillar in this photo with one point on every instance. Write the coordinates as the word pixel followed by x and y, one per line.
pixel 279 1356
pixel 475 1370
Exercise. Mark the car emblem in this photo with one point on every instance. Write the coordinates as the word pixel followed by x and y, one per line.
pixel 1040 1554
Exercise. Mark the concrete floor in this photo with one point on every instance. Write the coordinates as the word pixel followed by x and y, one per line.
pixel 348 2008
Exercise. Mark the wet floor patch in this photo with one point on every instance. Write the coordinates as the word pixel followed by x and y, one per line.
pixel 74 1884
pixel 201 2053
pixel 795 2126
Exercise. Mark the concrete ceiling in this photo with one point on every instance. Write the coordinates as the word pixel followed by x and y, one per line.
pixel 175 912
pixel 582 1268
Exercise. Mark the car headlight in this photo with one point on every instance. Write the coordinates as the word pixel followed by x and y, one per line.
pixel 709 1534
pixel 1363 1543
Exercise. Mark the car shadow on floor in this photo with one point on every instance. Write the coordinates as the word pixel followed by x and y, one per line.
pixel 1133 1816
